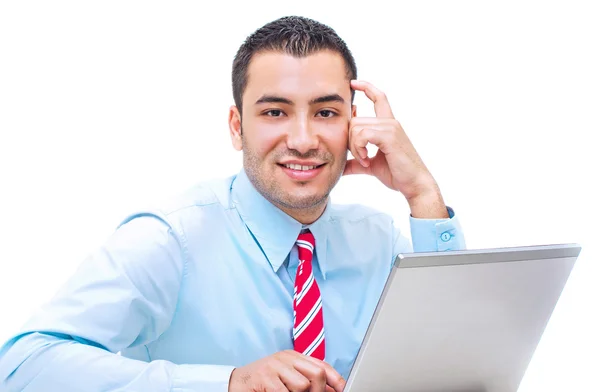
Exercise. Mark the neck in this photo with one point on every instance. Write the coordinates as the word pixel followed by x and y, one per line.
pixel 306 216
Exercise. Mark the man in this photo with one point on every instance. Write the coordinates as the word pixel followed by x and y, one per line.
pixel 257 281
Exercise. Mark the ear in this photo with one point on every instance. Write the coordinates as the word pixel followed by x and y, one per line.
pixel 353 110
pixel 235 127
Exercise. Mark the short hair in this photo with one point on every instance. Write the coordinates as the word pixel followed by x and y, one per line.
pixel 294 35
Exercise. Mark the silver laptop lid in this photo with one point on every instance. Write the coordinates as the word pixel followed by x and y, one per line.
pixel 462 320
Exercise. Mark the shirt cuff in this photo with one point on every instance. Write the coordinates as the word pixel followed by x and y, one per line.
pixel 434 235
pixel 205 378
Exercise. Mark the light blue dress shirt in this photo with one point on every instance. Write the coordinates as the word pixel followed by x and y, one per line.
pixel 188 291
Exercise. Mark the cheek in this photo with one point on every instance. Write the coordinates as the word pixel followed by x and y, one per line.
pixel 336 139
pixel 262 139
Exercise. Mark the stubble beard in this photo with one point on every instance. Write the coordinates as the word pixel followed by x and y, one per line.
pixel 268 186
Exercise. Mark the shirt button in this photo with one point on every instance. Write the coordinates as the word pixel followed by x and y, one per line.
pixel 445 236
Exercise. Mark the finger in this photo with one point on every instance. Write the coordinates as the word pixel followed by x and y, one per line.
pixel 379 99
pixel 378 135
pixel 294 380
pixel 371 120
pixel 275 385
pixel 355 167
pixel 360 154
pixel 316 374
pixel 334 379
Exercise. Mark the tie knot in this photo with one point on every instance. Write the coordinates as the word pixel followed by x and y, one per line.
pixel 306 240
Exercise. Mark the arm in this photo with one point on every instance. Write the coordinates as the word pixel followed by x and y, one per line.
pixel 399 167
pixel 123 295
pixel 433 225
pixel 430 235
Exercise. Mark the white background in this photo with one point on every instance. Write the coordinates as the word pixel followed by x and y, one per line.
pixel 107 106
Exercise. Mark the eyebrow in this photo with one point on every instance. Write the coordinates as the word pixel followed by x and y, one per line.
pixel 277 99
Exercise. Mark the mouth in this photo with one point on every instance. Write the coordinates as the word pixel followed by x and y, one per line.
pixel 293 166
pixel 301 172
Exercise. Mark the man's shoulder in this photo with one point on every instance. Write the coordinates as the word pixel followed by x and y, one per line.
pixel 210 194
pixel 361 223
pixel 213 192
pixel 355 212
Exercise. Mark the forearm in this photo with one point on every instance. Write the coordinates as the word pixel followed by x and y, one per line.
pixel 123 296
pixel 428 204
pixel 46 362
pixel 432 234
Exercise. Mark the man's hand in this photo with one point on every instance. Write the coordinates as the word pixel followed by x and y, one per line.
pixel 286 371
pixel 396 164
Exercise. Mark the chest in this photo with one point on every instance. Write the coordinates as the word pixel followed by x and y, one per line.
pixel 234 309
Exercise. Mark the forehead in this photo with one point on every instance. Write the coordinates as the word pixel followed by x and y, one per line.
pixel 299 77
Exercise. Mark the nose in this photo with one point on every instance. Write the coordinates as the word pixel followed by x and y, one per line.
pixel 301 137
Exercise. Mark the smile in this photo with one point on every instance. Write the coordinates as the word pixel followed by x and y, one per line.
pixel 300 167
pixel 301 172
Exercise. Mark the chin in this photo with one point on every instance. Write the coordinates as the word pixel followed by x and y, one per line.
pixel 302 198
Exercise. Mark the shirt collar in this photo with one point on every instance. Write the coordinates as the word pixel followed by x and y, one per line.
pixel 275 231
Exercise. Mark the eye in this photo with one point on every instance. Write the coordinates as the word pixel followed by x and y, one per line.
pixel 274 113
pixel 327 113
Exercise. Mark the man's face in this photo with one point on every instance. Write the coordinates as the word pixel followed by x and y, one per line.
pixel 296 112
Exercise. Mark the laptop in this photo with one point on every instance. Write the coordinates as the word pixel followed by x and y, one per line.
pixel 461 321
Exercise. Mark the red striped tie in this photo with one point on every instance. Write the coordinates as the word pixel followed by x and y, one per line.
pixel 309 333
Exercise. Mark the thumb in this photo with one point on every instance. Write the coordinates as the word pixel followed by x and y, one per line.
pixel 353 166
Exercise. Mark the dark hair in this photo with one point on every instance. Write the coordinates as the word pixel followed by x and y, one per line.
pixel 294 35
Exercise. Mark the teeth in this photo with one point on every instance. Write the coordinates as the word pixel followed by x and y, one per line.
pixel 299 167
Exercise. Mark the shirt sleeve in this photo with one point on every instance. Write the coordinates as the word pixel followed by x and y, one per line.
pixel 123 295
pixel 431 235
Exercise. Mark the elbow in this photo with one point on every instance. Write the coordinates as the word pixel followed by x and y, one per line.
pixel 12 355
pixel 23 357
